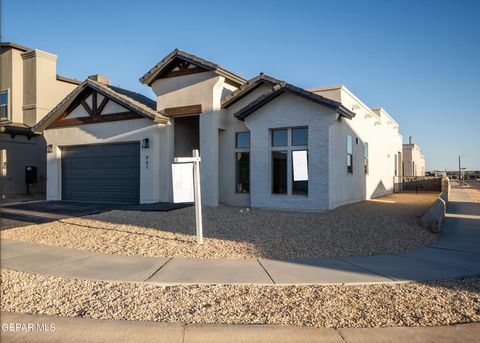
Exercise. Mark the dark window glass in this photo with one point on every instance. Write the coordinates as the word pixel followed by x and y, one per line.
pixel 280 137
pixel 279 172
pixel 395 164
pixel 3 105
pixel 365 157
pixel 299 187
pixel 242 160
pixel 349 154
pixel 300 136
pixel 349 163
pixel 243 140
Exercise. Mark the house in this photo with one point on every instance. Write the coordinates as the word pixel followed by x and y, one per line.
pixel 29 89
pixel 413 160
pixel 109 144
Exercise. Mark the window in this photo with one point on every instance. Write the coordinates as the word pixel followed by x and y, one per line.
pixel 242 140
pixel 299 187
pixel 349 154
pixel 395 164
pixel 4 105
pixel 365 157
pixel 280 137
pixel 284 143
pixel 243 172
pixel 279 172
pixel 300 136
pixel 242 162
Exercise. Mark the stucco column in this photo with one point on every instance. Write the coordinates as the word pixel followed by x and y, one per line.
pixel 166 149
pixel 54 174
pixel 209 153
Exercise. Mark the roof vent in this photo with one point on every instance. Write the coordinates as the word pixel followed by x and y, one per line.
pixel 100 78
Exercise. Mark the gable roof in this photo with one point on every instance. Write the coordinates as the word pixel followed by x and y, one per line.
pixel 152 74
pixel 283 87
pixel 135 102
pixel 248 87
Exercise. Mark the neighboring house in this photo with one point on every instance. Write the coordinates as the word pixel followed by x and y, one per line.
pixel 247 133
pixel 439 173
pixel 29 89
pixel 413 160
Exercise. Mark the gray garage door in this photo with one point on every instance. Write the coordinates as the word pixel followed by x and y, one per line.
pixel 108 173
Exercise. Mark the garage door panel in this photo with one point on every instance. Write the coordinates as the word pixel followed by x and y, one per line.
pixel 101 162
pixel 101 173
pixel 89 174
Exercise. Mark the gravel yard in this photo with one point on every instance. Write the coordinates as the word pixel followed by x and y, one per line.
pixel 385 225
pixel 408 304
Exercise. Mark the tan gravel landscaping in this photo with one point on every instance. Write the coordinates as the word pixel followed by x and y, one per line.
pixel 408 304
pixel 385 225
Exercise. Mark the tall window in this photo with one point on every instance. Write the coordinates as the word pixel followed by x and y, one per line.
pixel 279 172
pixel 242 162
pixel 284 143
pixel 395 164
pixel 4 106
pixel 349 154
pixel 365 157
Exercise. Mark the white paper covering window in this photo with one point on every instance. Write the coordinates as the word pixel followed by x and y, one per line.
pixel 182 176
pixel 300 165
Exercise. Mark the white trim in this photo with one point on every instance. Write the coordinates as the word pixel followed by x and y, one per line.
pixel 9 105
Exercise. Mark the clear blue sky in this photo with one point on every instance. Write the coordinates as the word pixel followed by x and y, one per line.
pixel 420 60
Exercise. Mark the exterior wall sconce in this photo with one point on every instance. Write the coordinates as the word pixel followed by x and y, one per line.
pixel 146 143
pixel 49 148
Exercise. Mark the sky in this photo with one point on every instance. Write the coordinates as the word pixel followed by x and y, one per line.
pixel 419 60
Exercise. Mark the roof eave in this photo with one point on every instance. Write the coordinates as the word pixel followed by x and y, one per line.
pixel 248 87
pixel 105 91
pixel 280 89
pixel 151 75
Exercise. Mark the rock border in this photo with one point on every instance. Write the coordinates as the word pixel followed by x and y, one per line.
pixel 433 218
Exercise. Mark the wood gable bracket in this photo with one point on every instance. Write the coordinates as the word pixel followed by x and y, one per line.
pixel 180 67
pixel 93 111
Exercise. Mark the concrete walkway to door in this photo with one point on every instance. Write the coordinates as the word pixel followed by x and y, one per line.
pixel 456 253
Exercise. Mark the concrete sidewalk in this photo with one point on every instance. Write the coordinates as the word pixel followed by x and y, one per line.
pixel 455 254
pixel 63 329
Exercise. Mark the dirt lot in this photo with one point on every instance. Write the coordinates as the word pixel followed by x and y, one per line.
pixel 406 304
pixel 384 225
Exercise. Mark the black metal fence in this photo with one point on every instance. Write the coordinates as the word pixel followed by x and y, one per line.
pixel 421 184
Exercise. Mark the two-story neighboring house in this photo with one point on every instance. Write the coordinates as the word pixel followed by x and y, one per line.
pixel 29 89
pixel 263 142
pixel 413 160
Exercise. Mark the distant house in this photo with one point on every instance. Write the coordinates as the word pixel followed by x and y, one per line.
pixel 107 144
pixel 29 89
pixel 413 160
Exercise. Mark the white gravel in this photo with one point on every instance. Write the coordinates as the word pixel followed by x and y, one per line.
pixel 409 304
pixel 385 225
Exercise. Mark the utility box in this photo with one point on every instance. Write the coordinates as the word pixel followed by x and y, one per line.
pixel 30 175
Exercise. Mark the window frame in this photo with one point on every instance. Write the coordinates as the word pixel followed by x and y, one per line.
pixel 308 167
pixel 8 105
pixel 242 150
pixel 271 138
pixel 366 165
pixel 395 164
pixel 288 149
pixel 349 155
pixel 236 140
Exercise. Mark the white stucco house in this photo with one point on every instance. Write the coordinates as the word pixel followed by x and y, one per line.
pixel 107 144
pixel 413 160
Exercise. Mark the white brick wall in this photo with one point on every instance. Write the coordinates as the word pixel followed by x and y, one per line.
pixel 283 112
